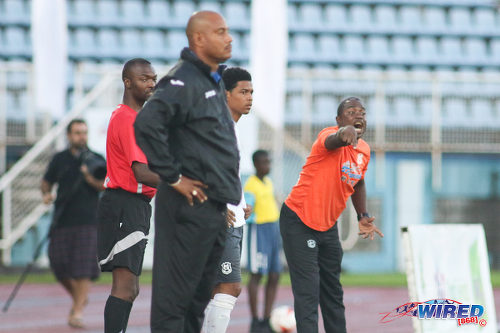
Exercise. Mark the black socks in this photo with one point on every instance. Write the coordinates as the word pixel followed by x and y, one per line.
pixel 116 315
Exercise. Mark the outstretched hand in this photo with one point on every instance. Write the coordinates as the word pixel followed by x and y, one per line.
pixel 349 135
pixel 191 189
pixel 367 228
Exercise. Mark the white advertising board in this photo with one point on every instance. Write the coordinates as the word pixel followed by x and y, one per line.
pixel 449 261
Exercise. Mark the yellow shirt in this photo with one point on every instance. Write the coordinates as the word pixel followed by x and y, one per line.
pixel 265 206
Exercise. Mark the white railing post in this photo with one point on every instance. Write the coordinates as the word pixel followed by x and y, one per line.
pixel 3 122
pixel 6 224
pixel 30 112
pixel 436 144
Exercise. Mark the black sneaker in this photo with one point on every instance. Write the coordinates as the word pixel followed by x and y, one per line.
pixel 255 327
pixel 265 326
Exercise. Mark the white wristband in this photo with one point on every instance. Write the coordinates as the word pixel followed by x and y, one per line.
pixel 177 182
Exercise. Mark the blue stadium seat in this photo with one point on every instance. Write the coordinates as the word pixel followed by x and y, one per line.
pixel 210 5
pixel 495 48
pixel 484 114
pixel 403 112
pixel 302 47
pixel 237 14
pixel 311 16
pixel 460 19
pixel 435 19
pixel 108 12
pixel 475 50
pixel 451 49
pixel 132 43
pixel 403 50
pixel 177 40
pixel 378 49
pixel 324 108
pixel 360 17
pixel 454 113
pixel 237 45
pixel 17 80
pixel 329 48
pixel 385 17
pixel 16 41
pixel 336 16
pixel 158 12
pixel 16 11
pixel 181 11
pixel 294 108
pixel 484 20
pixel 424 112
pixel 83 42
pixel 109 42
pixel 84 12
pixel 133 12
pixel 17 104
pixel 410 18
pixel 353 48
pixel 292 16
pixel 427 49
pixel 154 43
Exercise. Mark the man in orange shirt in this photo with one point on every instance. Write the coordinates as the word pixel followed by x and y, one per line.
pixel 333 172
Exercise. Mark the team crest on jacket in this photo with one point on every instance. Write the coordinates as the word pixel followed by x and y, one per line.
pixel 311 243
pixel 226 268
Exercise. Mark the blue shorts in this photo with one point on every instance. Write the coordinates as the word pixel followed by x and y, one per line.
pixel 264 247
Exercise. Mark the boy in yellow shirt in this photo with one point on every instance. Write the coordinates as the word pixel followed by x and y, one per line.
pixel 264 240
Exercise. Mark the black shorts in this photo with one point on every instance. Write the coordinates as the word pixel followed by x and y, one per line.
pixel 124 220
pixel 229 270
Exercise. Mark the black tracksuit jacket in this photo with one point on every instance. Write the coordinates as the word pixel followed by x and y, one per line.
pixel 186 128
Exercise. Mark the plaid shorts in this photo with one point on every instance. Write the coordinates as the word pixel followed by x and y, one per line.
pixel 73 252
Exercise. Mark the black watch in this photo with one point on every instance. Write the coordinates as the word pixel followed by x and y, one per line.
pixel 360 216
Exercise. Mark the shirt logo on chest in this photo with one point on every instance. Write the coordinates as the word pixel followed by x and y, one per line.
pixel 210 93
pixel 350 173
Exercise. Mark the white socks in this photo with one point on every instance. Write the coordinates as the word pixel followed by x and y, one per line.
pixel 218 312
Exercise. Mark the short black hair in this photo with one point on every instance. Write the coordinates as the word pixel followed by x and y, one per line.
pixel 74 121
pixel 258 154
pixel 344 101
pixel 232 75
pixel 130 64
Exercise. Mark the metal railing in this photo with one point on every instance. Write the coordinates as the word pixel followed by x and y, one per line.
pixel 22 204
pixel 388 129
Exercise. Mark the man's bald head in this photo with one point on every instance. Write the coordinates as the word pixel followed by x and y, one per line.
pixel 200 22
pixel 209 38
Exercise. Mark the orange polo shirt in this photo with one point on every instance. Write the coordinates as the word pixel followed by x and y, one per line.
pixel 327 180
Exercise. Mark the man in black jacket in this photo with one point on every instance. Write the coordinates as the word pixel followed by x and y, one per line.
pixel 187 135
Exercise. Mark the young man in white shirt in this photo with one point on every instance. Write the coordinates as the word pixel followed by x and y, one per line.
pixel 239 90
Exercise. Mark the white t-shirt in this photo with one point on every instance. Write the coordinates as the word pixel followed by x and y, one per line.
pixel 238 209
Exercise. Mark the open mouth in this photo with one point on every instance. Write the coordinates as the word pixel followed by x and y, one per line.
pixel 358 126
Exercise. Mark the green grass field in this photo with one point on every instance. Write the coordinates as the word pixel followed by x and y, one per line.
pixel 354 280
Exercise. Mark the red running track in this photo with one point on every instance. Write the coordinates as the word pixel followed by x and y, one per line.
pixel 44 308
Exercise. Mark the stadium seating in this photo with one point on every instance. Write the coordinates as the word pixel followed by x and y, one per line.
pixel 108 13
pixel 416 36
pixel 130 11
pixel 81 12
pixel 336 16
pixel 385 18
pixel 157 13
